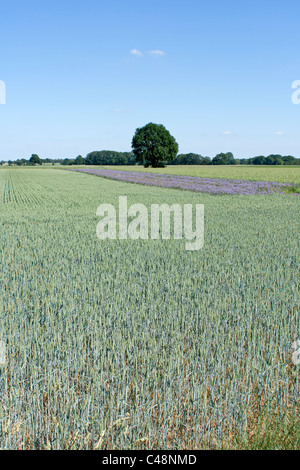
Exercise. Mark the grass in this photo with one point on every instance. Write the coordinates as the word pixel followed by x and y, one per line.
pixel 123 344
pixel 266 431
pixel 294 189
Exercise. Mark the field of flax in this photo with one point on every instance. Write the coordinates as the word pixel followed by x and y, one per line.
pixel 131 344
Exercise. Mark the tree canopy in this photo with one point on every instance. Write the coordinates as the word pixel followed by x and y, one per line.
pixel 223 159
pixel 153 145
pixel 190 159
pixel 109 157
pixel 35 159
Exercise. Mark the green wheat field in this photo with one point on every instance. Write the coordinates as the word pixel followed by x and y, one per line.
pixel 140 344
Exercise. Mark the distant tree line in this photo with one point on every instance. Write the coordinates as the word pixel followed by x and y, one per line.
pixel 33 161
pixel 190 159
pixel 110 157
pixel 271 160
pixel 228 159
pixel 103 157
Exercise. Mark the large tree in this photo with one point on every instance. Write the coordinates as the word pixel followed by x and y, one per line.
pixel 35 159
pixel 153 145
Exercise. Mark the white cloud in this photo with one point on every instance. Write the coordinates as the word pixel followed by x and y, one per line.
pixel 226 133
pixel 157 52
pixel 279 133
pixel 136 52
pixel 119 110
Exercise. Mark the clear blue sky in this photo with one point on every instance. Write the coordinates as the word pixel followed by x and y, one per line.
pixel 83 75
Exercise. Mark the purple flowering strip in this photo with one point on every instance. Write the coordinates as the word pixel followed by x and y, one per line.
pixel 191 183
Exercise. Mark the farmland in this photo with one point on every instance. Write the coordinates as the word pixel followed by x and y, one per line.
pixel 194 183
pixel 139 344
pixel 281 174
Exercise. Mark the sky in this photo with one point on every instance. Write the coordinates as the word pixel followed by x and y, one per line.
pixel 83 76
